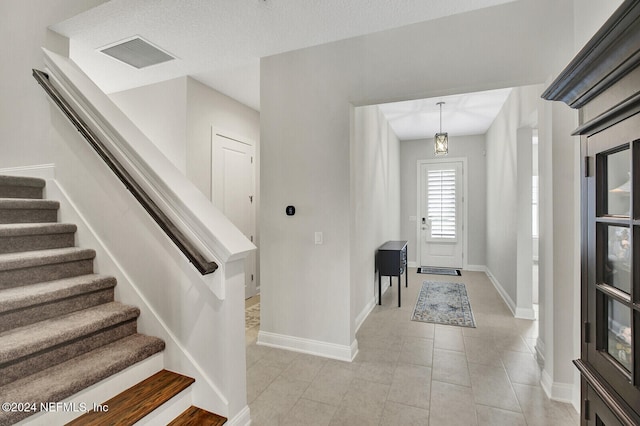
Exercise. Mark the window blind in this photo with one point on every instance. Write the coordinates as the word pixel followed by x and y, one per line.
pixel 441 203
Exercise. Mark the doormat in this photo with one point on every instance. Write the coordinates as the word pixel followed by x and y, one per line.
pixel 439 271
pixel 252 316
pixel 444 303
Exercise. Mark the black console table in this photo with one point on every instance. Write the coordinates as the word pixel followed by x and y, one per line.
pixel 392 261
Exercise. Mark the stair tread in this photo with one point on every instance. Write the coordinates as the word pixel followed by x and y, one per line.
pixel 63 380
pixel 28 259
pixel 21 181
pixel 28 203
pixel 36 294
pixel 19 229
pixel 23 341
pixel 139 400
pixel 194 416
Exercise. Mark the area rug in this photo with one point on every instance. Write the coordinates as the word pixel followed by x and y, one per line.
pixel 444 303
pixel 252 316
pixel 439 271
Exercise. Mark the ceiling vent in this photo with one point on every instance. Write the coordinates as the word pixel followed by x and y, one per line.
pixel 138 53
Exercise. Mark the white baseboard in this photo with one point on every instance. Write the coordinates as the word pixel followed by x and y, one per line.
pixel 540 351
pixel 561 392
pixel 501 291
pixel 243 418
pixel 362 316
pixel 476 268
pixel 412 264
pixel 525 313
pixel 42 171
pixel 518 312
pixel 309 346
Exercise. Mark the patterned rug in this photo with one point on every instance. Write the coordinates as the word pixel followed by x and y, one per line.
pixel 439 271
pixel 444 303
pixel 252 316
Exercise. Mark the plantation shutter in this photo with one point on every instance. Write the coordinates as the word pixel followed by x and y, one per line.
pixel 441 203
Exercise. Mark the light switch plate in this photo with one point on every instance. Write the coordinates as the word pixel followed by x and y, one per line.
pixel 318 237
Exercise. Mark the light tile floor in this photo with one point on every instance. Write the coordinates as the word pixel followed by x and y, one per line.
pixel 411 373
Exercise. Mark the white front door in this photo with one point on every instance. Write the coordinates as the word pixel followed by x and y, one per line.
pixel 233 192
pixel 441 214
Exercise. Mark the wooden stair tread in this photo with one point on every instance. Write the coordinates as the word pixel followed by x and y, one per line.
pixel 194 416
pixel 139 400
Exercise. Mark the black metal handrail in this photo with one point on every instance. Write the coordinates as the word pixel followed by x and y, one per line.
pixel 190 250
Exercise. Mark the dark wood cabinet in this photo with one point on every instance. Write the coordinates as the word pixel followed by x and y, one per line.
pixel 603 82
pixel 391 260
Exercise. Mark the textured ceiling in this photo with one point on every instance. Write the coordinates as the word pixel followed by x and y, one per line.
pixel 468 114
pixel 220 42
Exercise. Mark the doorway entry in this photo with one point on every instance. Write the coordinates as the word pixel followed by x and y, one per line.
pixel 441 212
pixel 233 189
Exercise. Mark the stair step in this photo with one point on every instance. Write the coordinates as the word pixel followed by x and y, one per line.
pixel 21 187
pixel 23 210
pixel 138 401
pixel 21 237
pixel 44 265
pixel 194 416
pixel 63 380
pixel 20 306
pixel 38 346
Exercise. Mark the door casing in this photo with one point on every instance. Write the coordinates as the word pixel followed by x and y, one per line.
pixel 465 198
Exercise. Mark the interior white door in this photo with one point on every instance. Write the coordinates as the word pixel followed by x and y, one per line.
pixel 441 215
pixel 233 192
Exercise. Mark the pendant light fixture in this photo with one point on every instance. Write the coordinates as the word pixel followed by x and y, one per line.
pixel 441 140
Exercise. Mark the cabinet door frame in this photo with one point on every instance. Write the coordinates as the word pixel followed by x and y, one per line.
pixel 596 223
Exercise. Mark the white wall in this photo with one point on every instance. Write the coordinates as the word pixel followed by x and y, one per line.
pixel 471 147
pixel 159 111
pixel 24 111
pixel 589 16
pixel 502 188
pixel 375 203
pixel 178 115
pixel 205 108
pixel 306 98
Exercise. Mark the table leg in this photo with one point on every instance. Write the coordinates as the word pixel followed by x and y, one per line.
pixel 379 288
pixel 399 288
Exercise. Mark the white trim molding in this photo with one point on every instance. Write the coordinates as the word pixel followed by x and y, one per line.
pixel 42 171
pixel 502 292
pixel 465 209
pixel 309 346
pixel 243 418
pixel 517 312
pixel 476 268
pixel 556 391
pixel 362 316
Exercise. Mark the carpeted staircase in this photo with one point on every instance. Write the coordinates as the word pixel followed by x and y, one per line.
pixel 60 329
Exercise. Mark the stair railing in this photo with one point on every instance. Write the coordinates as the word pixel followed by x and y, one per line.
pixel 166 224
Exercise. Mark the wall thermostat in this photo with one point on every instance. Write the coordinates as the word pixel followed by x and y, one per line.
pixel 290 210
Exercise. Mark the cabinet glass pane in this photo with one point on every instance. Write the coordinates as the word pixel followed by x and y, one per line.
pixel 619 332
pixel 618 185
pixel 617 267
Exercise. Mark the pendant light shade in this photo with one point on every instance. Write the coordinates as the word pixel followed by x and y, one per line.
pixel 441 140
